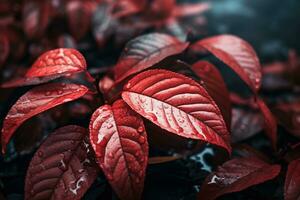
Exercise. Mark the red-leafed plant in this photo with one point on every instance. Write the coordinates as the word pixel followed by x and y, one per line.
pixel 163 91
pixel 174 101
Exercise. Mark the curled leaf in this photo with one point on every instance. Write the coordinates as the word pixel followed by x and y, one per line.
pixel 61 168
pixel 177 104
pixel 145 51
pixel 60 61
pixel 35 101
pixel 215 86
pixel 236 175
pixel 237 54
pixel 119 140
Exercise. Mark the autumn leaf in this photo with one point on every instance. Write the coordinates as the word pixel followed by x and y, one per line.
pixel 35 101
pixel 236 175
pixel 177 104
pixel 119 139
pixel 62 168
pixel 215 86
pixel 55 62
pixel 145 51
pixel 237 54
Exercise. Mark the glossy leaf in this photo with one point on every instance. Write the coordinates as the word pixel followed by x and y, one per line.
pixel 35 101
pixel 61 61
pixel 61 168
pixel 215 86
pixel 236 175
pixel 119 139
pixel 237 54
pixel 270 122
pixel 145 51
pixel 177 104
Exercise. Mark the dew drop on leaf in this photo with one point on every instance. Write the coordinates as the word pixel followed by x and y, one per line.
pixel 40 154
pixel 142 139
pixel 141 129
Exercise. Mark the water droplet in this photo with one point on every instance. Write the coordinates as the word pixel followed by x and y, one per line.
pixel 142 100
pixel 202 82
pixel 109 126
pixel 128 86
pixel 109 177
pixel 180 120
pixel 133 134
pixel 81 170
pixel 110 154
pixel 63 84
pixel 153 117
pixel 166 106
pixel 48 93
pixel 180 130
pixel 142 139
pixel 59 92
pixel 140 129
pixel 40 154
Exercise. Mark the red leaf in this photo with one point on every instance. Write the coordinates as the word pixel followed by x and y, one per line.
pixel 36 15
pixel 177 104
pixel 288 115
pixel 4 48
pixel 105 84
pixel 270 122
pixel 58 61
pixel 119 139
pixel 19 82
pixel 61 168
pixel 215 86
pixel 245 124
pixel 145 51
pixel 79 14
pixel 292 181
pixel 161 9
pixel 237 54
pixel 191 9
pixel 236 175
pixel 35 101
pixel 128 7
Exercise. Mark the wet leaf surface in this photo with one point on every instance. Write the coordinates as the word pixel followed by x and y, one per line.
pixel 35 101
pixel 62 167
pixel 177 104
pixel 119 140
